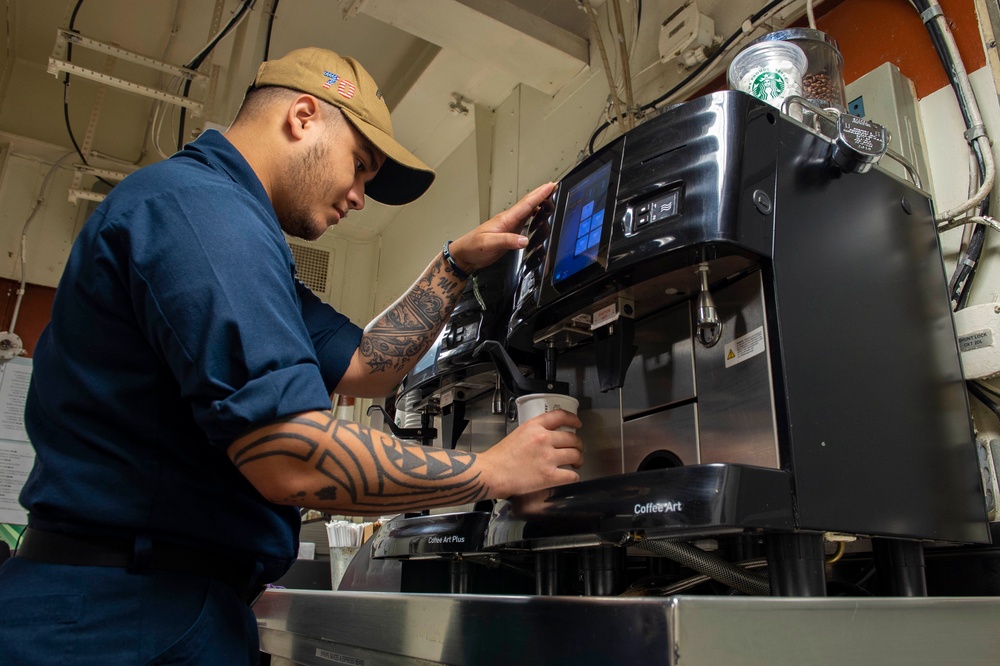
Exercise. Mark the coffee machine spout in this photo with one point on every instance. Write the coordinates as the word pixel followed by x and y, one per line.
pixel 512 378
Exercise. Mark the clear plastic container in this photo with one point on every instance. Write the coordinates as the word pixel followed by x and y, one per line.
pixel 770 71
pixel 823 81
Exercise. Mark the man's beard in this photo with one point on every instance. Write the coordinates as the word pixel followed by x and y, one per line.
pixel 297 220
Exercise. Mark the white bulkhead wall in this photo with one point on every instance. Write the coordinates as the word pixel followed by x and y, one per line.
pixel 512 145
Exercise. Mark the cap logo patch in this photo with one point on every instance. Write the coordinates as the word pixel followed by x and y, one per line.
pixel 331 78
pixel 346 89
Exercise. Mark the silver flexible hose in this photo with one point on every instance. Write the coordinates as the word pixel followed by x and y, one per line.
pixel 709 564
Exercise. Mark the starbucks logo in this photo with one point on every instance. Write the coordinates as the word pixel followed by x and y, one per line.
pixel 767 85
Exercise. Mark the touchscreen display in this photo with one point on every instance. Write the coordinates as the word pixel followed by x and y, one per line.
pixel 583 223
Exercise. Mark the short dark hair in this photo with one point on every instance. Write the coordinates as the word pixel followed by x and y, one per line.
pixel 257 99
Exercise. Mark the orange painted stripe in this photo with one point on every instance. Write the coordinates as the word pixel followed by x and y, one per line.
pixel 872 32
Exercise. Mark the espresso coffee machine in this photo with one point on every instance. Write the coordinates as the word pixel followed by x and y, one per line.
pixel 761 342
pixel 757 328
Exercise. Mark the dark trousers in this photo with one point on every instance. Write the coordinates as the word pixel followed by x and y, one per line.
pixel 76 615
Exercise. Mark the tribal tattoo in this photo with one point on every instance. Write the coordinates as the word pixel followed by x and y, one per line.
pixel 364 469
pixel 405 330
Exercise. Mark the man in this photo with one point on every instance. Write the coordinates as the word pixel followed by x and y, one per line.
pixel 180 402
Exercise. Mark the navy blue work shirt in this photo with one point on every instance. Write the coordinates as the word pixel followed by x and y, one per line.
pixel 178 326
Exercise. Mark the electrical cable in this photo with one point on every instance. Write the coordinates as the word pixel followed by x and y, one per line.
pixel 196 62
pixel 966 261
pixel 270 27
pixel 969 261
pixel 981 396
pixel 944 44
pixel 24 235
pixel 592 14
pixel 968 258
pixel 629 47
pixel 149 135
pixel 752 20
pixel 989 388
pixel 838 554
pixel 967 264
pixel 69 58
pixel 626 70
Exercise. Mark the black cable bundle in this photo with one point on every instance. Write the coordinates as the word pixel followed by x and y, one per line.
pixel 959 287
pixel 195 62
pixel 69 127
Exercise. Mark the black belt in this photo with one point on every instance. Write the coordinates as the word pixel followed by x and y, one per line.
pixel 138 555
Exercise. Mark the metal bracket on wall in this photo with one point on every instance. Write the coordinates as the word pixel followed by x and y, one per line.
pixel 58 63
pixel 76 192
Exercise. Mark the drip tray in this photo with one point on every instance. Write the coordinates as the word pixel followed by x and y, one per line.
pixel 433 535
pixel 696 500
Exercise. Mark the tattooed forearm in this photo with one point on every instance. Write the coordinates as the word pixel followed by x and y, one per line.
pixel 406 329
pixel 354 468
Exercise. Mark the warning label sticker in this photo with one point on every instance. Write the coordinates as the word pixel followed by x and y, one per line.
pixel 976 340
pixel 744 347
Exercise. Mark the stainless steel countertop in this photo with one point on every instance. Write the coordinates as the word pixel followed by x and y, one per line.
pixel 375 628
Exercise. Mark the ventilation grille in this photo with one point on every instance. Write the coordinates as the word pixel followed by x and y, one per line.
pixel 313 266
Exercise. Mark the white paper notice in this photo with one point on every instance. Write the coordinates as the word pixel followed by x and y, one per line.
pixel 16 454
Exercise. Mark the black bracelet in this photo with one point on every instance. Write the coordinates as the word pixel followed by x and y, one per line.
pixel 462 275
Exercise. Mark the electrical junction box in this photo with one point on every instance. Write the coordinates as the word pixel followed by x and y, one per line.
pixel 978 330
pixel 685 35
pixel 888 98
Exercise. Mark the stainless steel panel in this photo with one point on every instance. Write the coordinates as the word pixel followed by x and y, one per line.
pixel 673 430
pixel 369 628
pixel 662 371
pixel 485 428
pixel 736 422
pixel 599 412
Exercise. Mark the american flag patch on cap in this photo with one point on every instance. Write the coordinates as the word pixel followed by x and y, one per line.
pixel 330 79
pixel 346 89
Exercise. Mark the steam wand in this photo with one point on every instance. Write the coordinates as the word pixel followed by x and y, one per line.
pixel 708 324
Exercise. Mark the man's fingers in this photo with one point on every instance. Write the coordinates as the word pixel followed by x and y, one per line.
pixel 488 242
pixel 556 418
pixel 517 213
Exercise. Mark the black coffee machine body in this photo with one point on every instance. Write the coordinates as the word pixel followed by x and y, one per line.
pixel 763 351
pixel 761 343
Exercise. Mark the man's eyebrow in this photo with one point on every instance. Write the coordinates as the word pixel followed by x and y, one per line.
pixel 371 156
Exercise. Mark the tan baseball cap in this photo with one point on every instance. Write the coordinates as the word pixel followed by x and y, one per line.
pixel 344 83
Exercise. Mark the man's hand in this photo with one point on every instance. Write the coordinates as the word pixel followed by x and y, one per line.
pixel 490 240
pixel 533 457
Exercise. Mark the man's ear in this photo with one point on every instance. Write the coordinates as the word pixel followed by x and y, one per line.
pixel 303 112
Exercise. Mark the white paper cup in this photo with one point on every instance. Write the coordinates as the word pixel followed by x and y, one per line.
pixel 531 405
